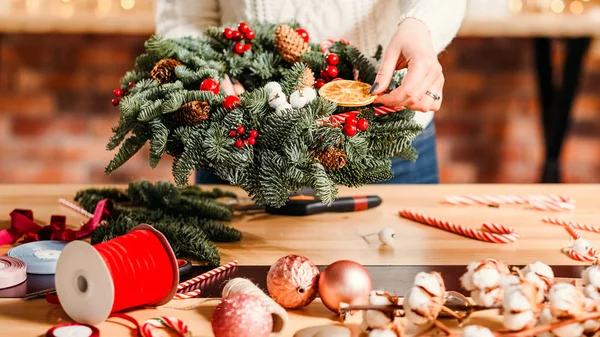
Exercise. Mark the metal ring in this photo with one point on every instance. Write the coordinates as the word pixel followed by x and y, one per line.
pixel 434 96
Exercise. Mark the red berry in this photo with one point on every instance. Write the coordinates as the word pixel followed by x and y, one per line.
pixel 232 133
pixel 249 35
pixel 350 130
pixel 304 34
pixel 332 71
pixel 131 84
pixel 251 141
pixel 351 120
pixel 228 33
pixel 253 133
pixel 325 75
pixel 241 129
pixel 230 102
pixel 239 143
pixel 210 85
pixel 115 101
pixel 319 83
pixel 332 59
pixel 247 47
pixel 238 48
pixel 118 92
pixel 237 36
pixel 244 27
pixel 362 124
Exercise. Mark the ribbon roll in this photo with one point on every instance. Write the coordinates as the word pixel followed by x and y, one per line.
pixel 12 272
pixel 73 330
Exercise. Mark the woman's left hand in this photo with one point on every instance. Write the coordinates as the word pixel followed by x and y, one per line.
pixel 411 48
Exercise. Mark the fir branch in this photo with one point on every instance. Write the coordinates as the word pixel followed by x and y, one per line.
pixel 292 78
pixel 145 62
pixel 315 60
pixel 324 187
pixel 158 143
pixel 366 71
pixel 129 148
pixel 89 198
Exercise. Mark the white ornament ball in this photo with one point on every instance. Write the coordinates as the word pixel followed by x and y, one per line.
pixel 581 246
pixel 273 87
pixel 310 93
pixel 382 333
pixel 277 99
pixel 283 108
pixel 476 331
pixel 386 235
pixel 298 100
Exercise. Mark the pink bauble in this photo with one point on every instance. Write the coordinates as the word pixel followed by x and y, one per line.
pixel 241 315
pixel 292 281
pixel 344 281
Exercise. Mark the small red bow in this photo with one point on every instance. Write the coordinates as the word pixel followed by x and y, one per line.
pixel 22 224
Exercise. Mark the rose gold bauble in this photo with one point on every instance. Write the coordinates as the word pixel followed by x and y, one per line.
pixel 241 315
pixel 344 281
pixel 292 281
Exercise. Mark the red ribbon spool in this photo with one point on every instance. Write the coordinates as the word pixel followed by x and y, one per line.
pixel 73 329
pixel 136 269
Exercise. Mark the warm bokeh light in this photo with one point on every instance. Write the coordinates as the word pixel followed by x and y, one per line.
pixel 127 4
pixel 557 6
pixel 576 7
pixel 66 10
pixel 515 5
pixel 32 6
pixel 103 7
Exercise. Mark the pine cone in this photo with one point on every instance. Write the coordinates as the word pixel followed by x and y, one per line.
pixel 164 71
pixel 192 113
pixel 290 44
pixel 332 158
pixel 308 79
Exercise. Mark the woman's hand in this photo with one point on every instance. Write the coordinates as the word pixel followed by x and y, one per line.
pixel 231 86
pixel 422 86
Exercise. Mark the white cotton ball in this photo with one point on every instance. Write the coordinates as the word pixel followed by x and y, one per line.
pixel 386 235
pixel 376 299
pixel 284 108
pixel 476 331
pixel 429 282
pixel 515 300
pixel 591 326
pixel 539 268
pixel 298 100
pixel 546 316
pixel 581 246
pixel 539 284
pixel 273 87
pixel 571 330
pixel 518 321
pixel 310 93
pixel 416 300
pixel 591 292
pixel 486 278
pixel 591 276
pixel 466 281
pixel 562 296
pixel 375 318
pixel 277 100
pixel 382 333
pixel 488 297
pixel 507 281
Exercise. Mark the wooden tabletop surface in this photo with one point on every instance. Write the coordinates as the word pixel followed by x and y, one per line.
pixel 326 238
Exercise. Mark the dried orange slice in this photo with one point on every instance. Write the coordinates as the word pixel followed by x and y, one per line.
pixel 347 93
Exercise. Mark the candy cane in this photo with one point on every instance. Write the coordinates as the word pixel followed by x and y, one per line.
pixel 75 208
pixel 547 202
pixel 572 253
pixel 576 225
pixel 578 257
pixel 493 233
pixel 336 120
pixel 175 324
pixel 200 278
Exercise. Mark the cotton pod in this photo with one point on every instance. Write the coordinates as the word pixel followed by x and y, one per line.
pixel 476 331
pixel 482 280
pixel 283 109
pixel 300 98
pixel 541 270
pixel 540 285
pixel 373 319
pixel 425 299
pixel 382 333
pixel 566 301
pixel 590 278
pixel 520 306
pixel 273 87
pixel 277 100
pixel 571 330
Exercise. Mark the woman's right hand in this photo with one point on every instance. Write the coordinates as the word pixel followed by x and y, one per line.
pixel 231 86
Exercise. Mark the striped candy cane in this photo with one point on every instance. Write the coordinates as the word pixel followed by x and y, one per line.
pixel 591 254
pixel 75 208
pixel 200 278
pixel 339 119
pixel 493 233
pixel 576 225
pixel 147 328
pixel 544 202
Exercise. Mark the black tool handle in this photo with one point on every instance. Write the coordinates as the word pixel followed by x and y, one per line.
pixel 315 206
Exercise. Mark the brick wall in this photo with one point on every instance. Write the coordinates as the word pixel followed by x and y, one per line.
pixel 55 112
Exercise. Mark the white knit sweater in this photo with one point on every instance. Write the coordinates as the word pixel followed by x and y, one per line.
pixel 365 23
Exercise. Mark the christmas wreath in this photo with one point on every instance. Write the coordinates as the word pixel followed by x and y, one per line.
pixel 279 136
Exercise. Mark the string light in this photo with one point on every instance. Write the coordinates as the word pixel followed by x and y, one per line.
pixel 127 4
pixel 557 6
pixel 576 7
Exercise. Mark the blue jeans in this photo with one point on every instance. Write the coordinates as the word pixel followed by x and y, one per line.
pixel 423 171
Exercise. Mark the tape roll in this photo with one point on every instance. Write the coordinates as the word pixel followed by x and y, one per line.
pixel 12 272
pixel 73 330
pixel 39 256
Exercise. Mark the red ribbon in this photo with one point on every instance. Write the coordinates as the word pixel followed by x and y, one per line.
pixel 22 224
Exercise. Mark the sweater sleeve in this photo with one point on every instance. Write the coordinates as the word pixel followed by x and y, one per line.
pixel 178 18
pixel 442 17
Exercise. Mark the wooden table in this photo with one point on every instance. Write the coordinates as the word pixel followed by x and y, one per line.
pixel 330 237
